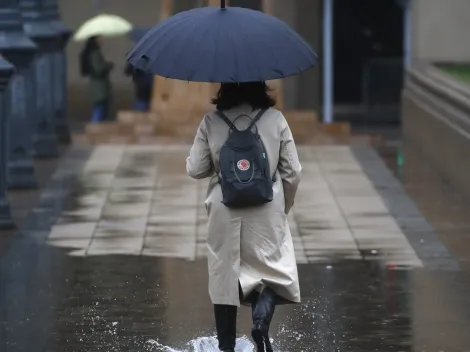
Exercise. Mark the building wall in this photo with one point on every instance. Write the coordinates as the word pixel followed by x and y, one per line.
pixel 300 92
pixel 440 30
pixel 305 16
pixel 74 13
pixel 286 11
pixel 309 25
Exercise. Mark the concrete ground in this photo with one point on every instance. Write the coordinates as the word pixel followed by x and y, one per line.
pixel 112 258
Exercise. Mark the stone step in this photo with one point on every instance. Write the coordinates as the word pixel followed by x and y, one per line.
pixel 146 128
pixel 133 117
pixel 111 139
pixel 109 128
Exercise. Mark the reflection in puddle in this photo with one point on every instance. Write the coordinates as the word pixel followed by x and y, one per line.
pixel 202 344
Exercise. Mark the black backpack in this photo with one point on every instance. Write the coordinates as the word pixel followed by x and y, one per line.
pixel 244 177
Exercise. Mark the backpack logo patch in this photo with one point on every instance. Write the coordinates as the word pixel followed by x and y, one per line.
pixel 243 165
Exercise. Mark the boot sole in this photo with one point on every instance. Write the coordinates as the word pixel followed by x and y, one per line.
pixel 262 342
pixel 257 336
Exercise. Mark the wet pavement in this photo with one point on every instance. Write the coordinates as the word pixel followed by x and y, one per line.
pixel 23 200
pixel 113 259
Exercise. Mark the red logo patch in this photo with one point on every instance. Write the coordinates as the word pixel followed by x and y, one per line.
pixel 243 165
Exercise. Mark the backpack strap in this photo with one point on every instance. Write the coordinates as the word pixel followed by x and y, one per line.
pixel 226 120
pixel 257 118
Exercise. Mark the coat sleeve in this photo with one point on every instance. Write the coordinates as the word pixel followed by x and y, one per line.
pixel 289 167
pixel 99 67
pixel 199 163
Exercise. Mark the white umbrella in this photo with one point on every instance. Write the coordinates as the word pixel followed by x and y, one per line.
pixel 103 25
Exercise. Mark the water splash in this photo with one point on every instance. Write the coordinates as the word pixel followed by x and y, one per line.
pixel 113 335
pixel 201 344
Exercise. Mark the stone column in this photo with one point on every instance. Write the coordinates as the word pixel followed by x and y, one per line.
pixel 38 28
pixel 59 72
pixel 6 70
pixel 17 48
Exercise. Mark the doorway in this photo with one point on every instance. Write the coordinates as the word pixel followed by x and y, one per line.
pixel 368 60
pixel 249 4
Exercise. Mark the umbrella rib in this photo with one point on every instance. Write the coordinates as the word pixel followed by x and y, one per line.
pixel 272 50
pixel 214 56
pixel 256 46
pixel 286 30
pixel 188 33
pixel 151 42
pixel 199 41
pixel 235 57
pixel 148 40
pixel 291 35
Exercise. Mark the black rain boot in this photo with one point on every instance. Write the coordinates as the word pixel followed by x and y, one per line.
pixel 226 325
pixel 263 311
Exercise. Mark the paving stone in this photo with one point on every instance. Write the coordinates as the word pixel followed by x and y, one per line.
pixel 140 197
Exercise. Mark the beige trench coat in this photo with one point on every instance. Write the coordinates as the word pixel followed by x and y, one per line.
pixel 252 247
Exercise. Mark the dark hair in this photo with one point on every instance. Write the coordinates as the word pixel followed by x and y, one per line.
pixel 90 45
pixel 255 94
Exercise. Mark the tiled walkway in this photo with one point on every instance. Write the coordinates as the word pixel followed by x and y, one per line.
pixel 138 200
pixel 112 258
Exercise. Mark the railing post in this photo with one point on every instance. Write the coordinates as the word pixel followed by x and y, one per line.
pixel 328 89
pixel 18 49
pixel 6 71
pixel 59 63
pixel 44 36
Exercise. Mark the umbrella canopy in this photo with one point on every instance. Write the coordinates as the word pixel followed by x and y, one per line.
pixel 103 25
pixel 222 45
pixel 138 33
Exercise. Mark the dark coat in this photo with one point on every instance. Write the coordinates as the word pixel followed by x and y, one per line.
pixel 100 85
pixel 143 83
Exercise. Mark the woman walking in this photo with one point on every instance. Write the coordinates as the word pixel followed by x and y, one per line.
pixel 251 254
pixel 97 69
pixel 143 85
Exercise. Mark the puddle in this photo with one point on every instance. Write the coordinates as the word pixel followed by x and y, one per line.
pixel 201 344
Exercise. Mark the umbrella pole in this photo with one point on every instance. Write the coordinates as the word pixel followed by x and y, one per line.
pixel 222 4
pixel 328 61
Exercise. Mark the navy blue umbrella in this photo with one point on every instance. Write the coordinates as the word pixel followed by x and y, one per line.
pixel 222 45
pixel 137 33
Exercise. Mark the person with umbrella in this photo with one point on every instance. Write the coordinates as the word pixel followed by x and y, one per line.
pixel 97 69
pixel 143 85
pixel 247 150
pixel 143 82
pixel 92 62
